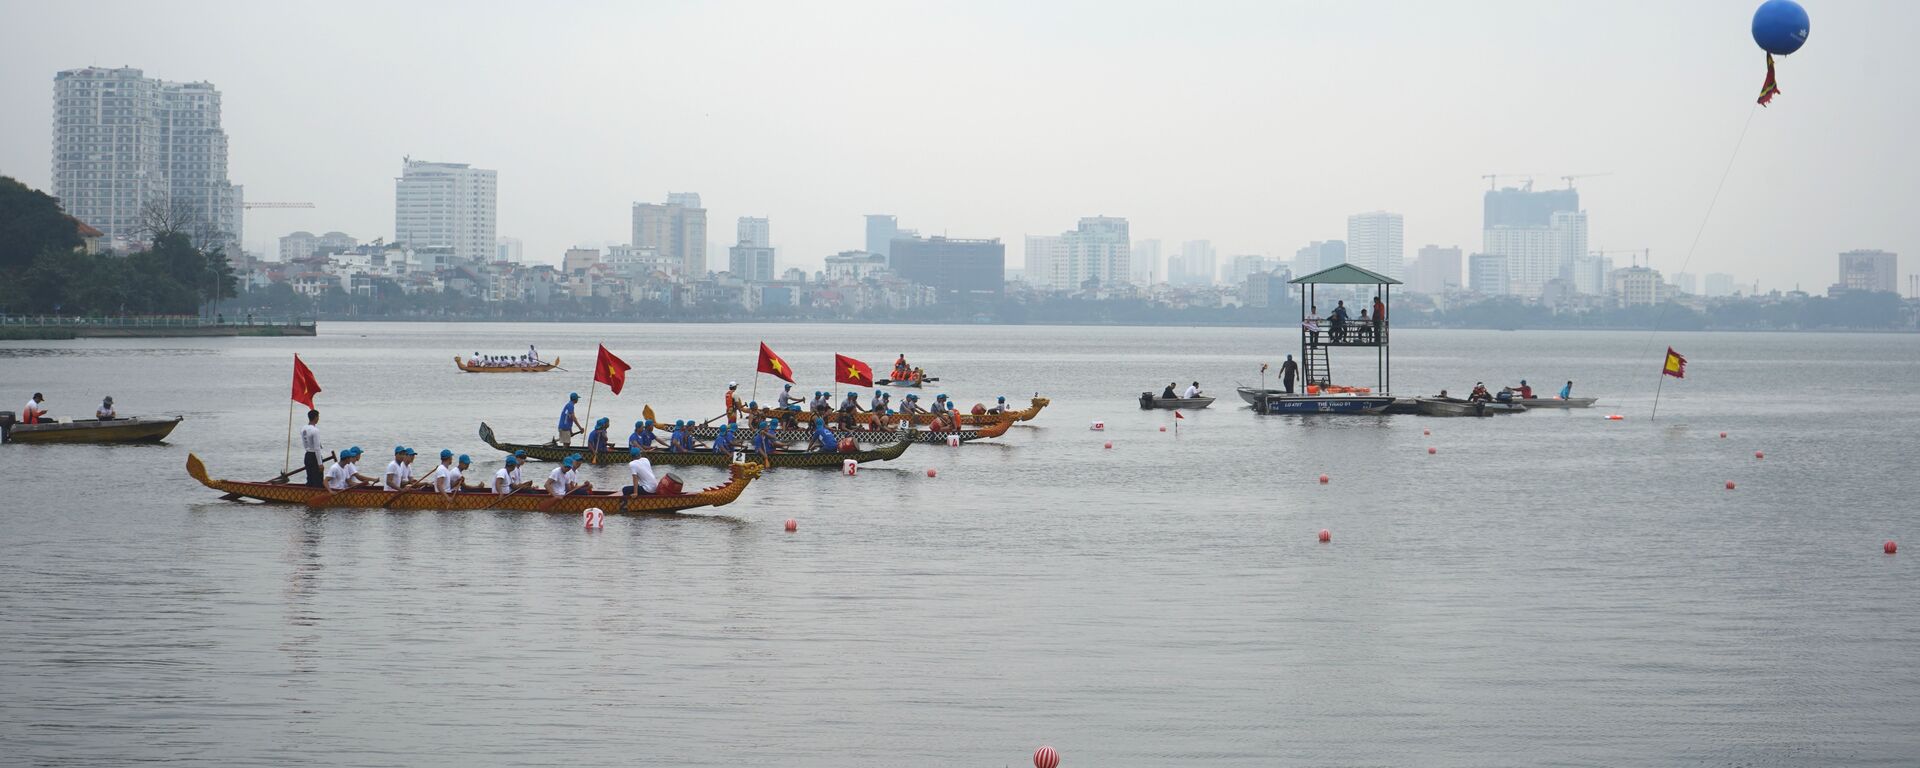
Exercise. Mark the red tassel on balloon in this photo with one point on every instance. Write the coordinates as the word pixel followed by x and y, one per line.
pixel 1769 88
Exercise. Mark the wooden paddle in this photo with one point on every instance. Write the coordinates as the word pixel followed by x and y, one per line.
pixel 289 473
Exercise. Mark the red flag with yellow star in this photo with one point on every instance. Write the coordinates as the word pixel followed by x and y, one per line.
pixel 610 370
pixel 847 370
pixel 771 363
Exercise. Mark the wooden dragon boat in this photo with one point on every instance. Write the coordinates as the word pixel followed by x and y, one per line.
pixel 129 430
pixel 473 368
pixel 887 452
pixel 525 501
pixel 869 436
pixel 920 419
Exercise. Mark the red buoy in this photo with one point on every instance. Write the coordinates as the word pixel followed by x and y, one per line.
pixel 1890 547
pixel 1325 535
pixel 1723 435
pixel 792 525
pixel 1614 417
pixel 1109 443
pixel 1426 431
pixel 1323 479
pixel 1759 455
pixel 931 473
pixel 1729 485
pixel 1046 757
pixel 1163 429
pixel 1432 450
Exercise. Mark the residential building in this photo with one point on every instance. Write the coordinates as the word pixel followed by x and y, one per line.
pixel 1099 251
pixel 854 265
pixel 1436 270
pixel 751 263
pixel 1197 265
pixel 1869 271
pixel 1041 253
pixel 1541 233
pixel 755 231
pixel 510 250
pixel 677 230
pixel 881 229
pixel 1487 274
pixel 1638 287
pixel 301 246
pixel 446 205
pixel 1686 284
pixel 635 262
pixel 1374 241
pixel 958 270
pixel 1239 267
pixel 1719 284
pixel 122 142
pixel 1146 262
pixel 1267 289
pixel 1588 274
pixel 1319 255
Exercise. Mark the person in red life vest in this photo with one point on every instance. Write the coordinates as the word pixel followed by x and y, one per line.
pixel 733 403
pixel 35 412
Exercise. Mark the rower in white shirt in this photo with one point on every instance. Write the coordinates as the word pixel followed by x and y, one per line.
pixel 559 480
pixel 503 481
pixel 446 479
pixel 519 466
pixel 345 473
pixel 399 473
pixel 574 483
pixel 640 471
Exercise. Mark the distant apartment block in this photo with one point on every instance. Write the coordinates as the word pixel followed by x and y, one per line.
pixel 446 206
pixel 510 250
pixel 1686 284
pixel 751 263
pixel 301 246
pixel 1319 255
pixel 677 229
pixel 1098 251
pixel 1146 262
pixel 1435 270
pixel 122 141
pixel 958 270
pixel 755 231
pixel 1869 271
pixel 1197 264
pixel 1638 287
pixel 1540 233
pixel 1487 274
pixel 881 229
pixel 1718 285
pixel 1375 241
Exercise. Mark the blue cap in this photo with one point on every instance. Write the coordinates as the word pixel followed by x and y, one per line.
pixel 463 459
pixel 446 454
pixel 412 452
pixel 567 462
pixel 354 450
pixel 639 424
pixel 511 461
pixel 940 397
pixel 633 451
pixel 573 396
pixel 520 454
pixel 789 386
pixel 1003 398
pixel 399 449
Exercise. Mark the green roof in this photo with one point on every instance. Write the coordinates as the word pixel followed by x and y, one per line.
pixel 1345 274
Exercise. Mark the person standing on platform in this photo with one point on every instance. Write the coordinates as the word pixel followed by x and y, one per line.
pixel 1379 319
pixel 310 442
pixel 1288 371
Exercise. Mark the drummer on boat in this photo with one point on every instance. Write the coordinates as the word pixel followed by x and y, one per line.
pixel 640 473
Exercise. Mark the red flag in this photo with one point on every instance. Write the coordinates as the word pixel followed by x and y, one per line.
pixel 771 363
pixel 1771 87
pixel 610 370
pixel 1675 366
pixel 847 370
pixel 1179 415
pixel 304 385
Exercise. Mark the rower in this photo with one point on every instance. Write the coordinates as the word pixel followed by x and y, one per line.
pixel 504 480
pixel 677 439
pixel 398 474
pixel 640 472
pixel 848 409
pixel 823 440
pixel 763 442
pixel 911 406
pixel 569 424
pixel 105 411
pixel 1525 392
pixel 879 403
pixel 345 472
pixel 558 481
pixel 460 466
pixel 787 401
pixel 1193 391
pixel 999 405
pixel 573 475
pixel 597 439
pixel 1167 394
pixel 446 479
pixel 519 464
pixel 36 411
pixel 642 437
pixel 940 405
pixel 918 375
pixel 732 402
pixel 723 439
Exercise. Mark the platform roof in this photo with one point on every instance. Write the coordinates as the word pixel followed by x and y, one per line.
pixel 1345 274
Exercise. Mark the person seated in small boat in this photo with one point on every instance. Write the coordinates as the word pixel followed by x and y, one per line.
pixel 1479 393
pixel 822 439
pixel 900 368
pixel 504 481
pixel 1443 394
pixel 1566 392
pixel 105 411
pixel 36 411
pixel 1168 393
pixel 1193 391
pixel 787 401
pixel 1505 396
pixel 597 439
pixel 573 476
pixel 917 376
pixel 462 465
pixel 640 475
pixel 1525 392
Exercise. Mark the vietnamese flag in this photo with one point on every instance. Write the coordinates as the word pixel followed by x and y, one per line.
pixel 847 370
pixel 610 370
pixel 304 385
pixel 771 363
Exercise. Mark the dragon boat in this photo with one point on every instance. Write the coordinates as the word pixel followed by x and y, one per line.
pixel 610 502
pixel 549 452
pixel 869 436
pixel 919 419
pixel 471 367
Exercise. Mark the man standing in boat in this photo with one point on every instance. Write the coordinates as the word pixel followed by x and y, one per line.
pixel 310 442
pixel 1288 370
pixel 732 402
pixel 569 424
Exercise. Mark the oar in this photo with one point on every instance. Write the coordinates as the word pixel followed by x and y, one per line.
pixel 289 473
pixel 397 494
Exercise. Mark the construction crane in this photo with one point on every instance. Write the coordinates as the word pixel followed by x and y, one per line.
pixel 1570 177
pixel 1493 179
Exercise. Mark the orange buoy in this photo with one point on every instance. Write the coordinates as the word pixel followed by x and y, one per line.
pixel 1759 455
pixel 1432 450
pixel 1325 535
pixel 1729 485
pixel 1614 417
pixel 1324 479
pixel 792 525
pixel 931 473
pixel 1890 547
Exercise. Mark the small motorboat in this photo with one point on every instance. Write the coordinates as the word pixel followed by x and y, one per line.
pixel 1450 406
pixel 129 430
pixel 1254 396
pixel 1555 402
pixel 1149 401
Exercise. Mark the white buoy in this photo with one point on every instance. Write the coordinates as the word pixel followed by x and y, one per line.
pixel 593 518
pixel 953 441
pixel 1099 426
pixel 850 466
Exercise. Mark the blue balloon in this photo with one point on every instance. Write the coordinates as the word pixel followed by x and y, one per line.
pixel 1780 26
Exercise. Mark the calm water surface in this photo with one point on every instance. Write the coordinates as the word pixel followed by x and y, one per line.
pixel 1548 589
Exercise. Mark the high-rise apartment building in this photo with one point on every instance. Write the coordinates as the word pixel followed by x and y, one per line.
pixel 1146 262
pixel 751 263
pixel 755 231
pixel 1239 267
pixel 510 249
pixel 1099 249
pixel 1540 233
pixel 1869 271
pixel 122 142
pixel 1719 284
pixel 300 246
pixel 1638 287
pixel 446 206
pixel 1436 270
pixel 1319 255
pixel 1197 264
pixel 677 230
pixel 1487 274
pixel 1041 252
pixel 1686 284
pixel 881 229
pixel 1374 241
pixel 960 271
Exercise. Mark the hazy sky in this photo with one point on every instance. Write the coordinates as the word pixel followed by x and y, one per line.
pixel 1257 125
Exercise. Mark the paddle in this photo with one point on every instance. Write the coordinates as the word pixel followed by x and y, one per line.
pixel 289 473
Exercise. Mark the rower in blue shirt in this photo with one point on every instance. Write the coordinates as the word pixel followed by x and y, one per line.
pixel 643 437
pixel 723 440
pixel 569 424
pixel 597 439
pixel 1566 391
pixel 823 439
pixel 763 442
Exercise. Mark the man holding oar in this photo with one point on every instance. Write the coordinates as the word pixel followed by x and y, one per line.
pixel 399 471
pixel 346 472
pixel 569 424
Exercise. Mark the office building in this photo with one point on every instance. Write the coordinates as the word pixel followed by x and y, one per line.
pixel 1097 252
pixel 1718 285
pixel 1869 271
pixel 1435 271
pixel 1540 233
pixel 751 263
pixel 1319 255
pixel 755 231
pixel 1588 274
pixel 1685 284
pixel 1146 262
pixel 122 142
pixel 1196 266
pixel 1487 274
pixel 510 249
pixel 1524 207
pixel 1374 242
pixel 1638 287
pixel 677 230
pixel 446 206
pixel 881 229
pixel 1239 267
pixel 959 271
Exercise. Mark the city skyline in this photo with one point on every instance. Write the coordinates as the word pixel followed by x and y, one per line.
pixel 1195 164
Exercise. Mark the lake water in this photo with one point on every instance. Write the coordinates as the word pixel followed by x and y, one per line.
pixel 1549 588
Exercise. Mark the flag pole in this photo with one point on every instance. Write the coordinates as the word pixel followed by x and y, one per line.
pixel 286 462
pixel 590 392
pixel 1656 395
